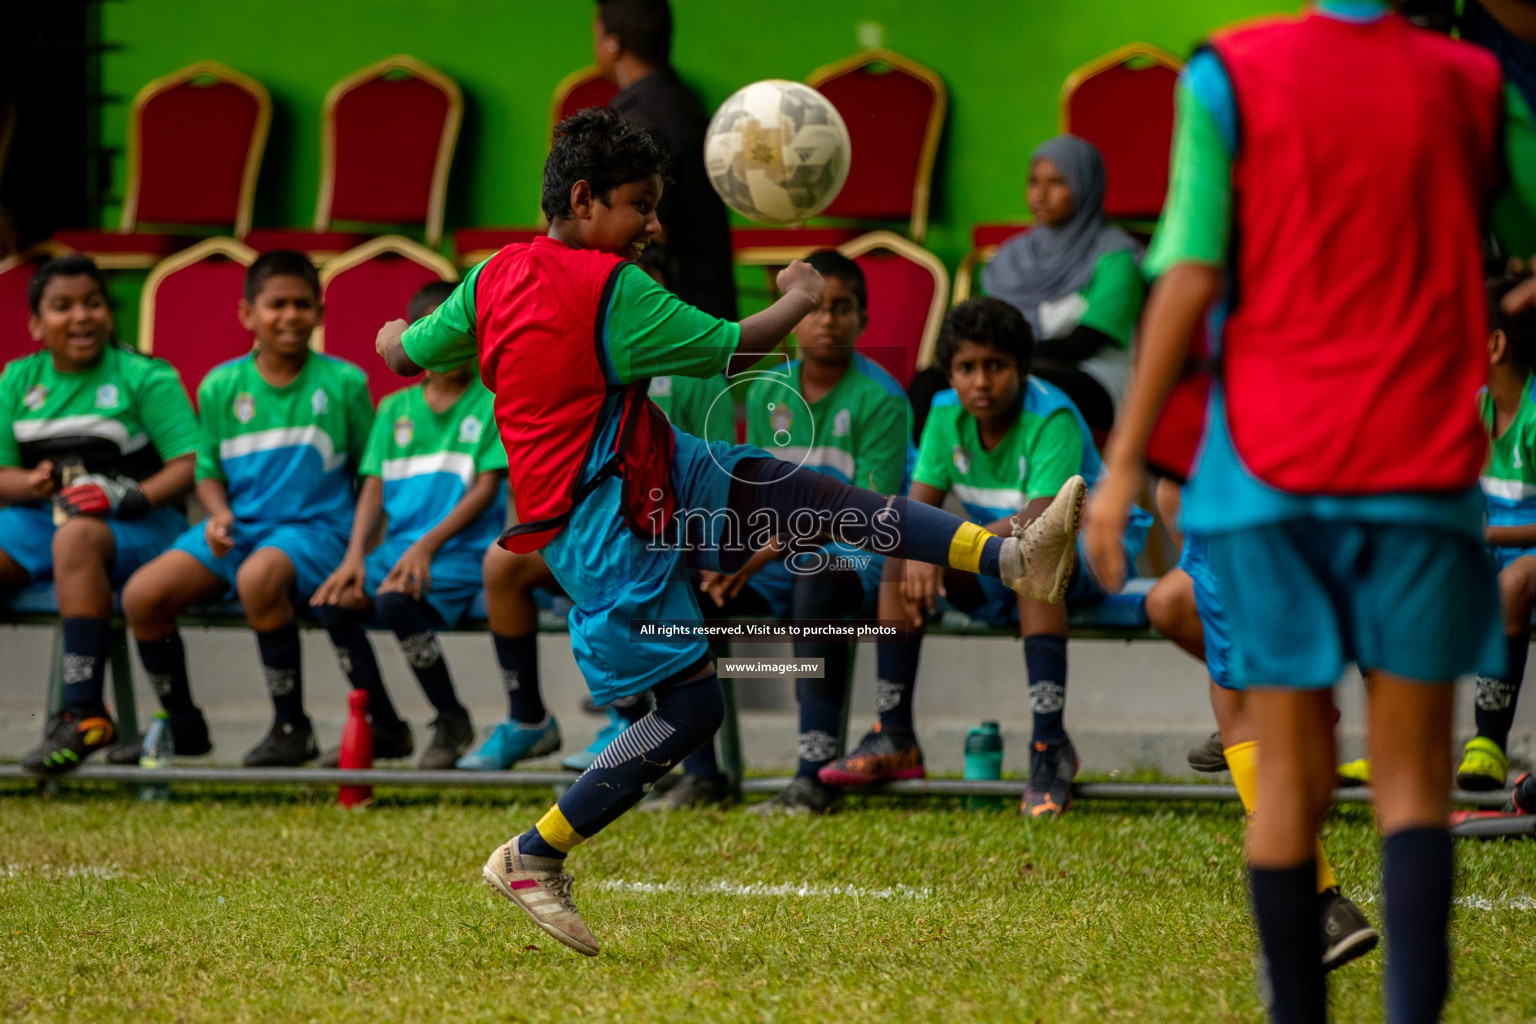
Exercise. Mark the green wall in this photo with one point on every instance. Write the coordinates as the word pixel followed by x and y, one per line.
pixel 1003 61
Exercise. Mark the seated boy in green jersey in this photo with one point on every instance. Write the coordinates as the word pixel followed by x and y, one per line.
pixel 1002 442
pixel 569 333
pixel 108 435
pixel 701 407
pixel 837 412
pixel 435 469
pixel 1509 486
pixel 283 429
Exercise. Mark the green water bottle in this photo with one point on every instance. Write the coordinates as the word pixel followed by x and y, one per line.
pixel 984 759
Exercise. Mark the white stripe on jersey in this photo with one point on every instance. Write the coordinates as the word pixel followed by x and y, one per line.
pixel 1003 499
pixel 1509 490
pixel 456 463
pixel 284 437
pixel 821 455
pixel 77 426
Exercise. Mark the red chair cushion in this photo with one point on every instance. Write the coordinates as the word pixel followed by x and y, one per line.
pixel 1127 111
pixel 900 296
pixel 15 339
pixel 194 141
pixel 468 240
pixel 118 243
pixel 984 235
pixel 195 325
pixel 810 238
pixel 358 301
pixel 887 112
pixel 593 91
pixel 404 118
pixel 328 242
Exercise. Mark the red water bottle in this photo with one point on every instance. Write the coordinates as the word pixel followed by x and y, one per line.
pixel 356 748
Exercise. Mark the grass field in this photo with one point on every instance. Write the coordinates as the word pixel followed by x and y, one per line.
pixel 227 905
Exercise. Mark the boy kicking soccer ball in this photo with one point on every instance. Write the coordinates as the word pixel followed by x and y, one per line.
pixel 569 332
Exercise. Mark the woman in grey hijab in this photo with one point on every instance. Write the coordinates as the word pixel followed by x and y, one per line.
pixel 1076 279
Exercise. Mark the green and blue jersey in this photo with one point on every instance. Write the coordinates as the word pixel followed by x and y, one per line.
pixel 1509 480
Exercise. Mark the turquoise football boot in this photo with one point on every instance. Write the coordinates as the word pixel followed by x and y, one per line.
pixel 582 759
pixel 511 742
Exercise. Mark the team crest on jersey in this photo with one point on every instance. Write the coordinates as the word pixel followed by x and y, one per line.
pixel 962 460
pixel 780 417
pixel 245 407
pixel 36 396
pixel 842 423
pixel 404 431
pixel 106 396
pixel 319 402
pixel 469 429
pixel 661 387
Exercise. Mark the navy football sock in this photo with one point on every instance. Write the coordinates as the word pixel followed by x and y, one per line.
pixel 357 660
pixel 518 657
pixel 1417 874
pixel 415 626
pixel 883 524
pixel 896 677
pixel 821 722
pixel 824 597
pixel 1497 698
pixel 686 714
pixel 85 663
pixel 281 661
pixel 1285 911
pixel 165 663
pixel 1045 659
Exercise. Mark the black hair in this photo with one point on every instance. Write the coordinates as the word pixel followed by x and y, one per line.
pixel 644 28
pixel 427 298
pixel 599 147
pixel 831 263
pixel 986 321
pixel 1519 328
pixel 72 265
pixel 658 258
pixel 280 263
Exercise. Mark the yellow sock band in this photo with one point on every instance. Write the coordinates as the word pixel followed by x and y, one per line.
pixel 1243 763
pixel 557 832
pixel 966 546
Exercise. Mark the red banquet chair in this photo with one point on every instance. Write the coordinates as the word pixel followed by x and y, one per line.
pixel 907 286
pixel 187 313
pixel 1122 102
pixel 195 140
pixel 15 274
pixel 366 286
pixel 894 108
pixel 577 91
pixel 387 139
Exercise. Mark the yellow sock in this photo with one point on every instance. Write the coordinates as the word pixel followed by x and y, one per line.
pixel 965 547
pixel 1243 763
pixel 557 832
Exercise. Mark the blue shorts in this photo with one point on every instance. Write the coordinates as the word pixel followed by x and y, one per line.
pixel 614 577
pixel 1195 561
pixel 1304 597
pixel 26 534
pixel 775 582
pixel 456 578
pixel 315 549
pixel 1000 606
pixel 1502 557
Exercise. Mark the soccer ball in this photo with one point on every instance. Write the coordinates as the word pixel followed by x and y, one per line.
pixel 777 152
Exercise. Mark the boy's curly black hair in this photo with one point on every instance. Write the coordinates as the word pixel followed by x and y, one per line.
pixel 598 146
pixel 986 321
pixel 70 265
pixel 1520 328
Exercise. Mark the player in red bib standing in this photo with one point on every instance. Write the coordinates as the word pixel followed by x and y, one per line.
pixel 1332 171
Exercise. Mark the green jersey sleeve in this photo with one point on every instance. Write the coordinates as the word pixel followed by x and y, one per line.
pixel 1114 296
pixel 880 452
pixel 211 403
pixel 445 338
pixel 651 332
pixel 1197 219
pixel 10 401
pixel 1056 455
pixel 935 451
pixel 167 412
pixel 372 463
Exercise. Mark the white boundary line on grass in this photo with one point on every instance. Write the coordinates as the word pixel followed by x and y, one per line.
pixel 727 888
pixel 10 871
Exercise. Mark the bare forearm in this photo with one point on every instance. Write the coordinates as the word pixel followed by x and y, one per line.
pixel 762 332
pixel 1178 301
pixel 172 481
pixel 213 496
pixel 365 518
pixel 16 485
pixel 390 345
pixel 459 518
pixel 1511 536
